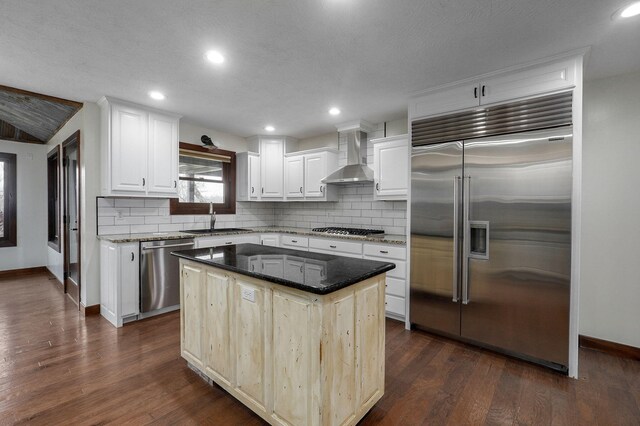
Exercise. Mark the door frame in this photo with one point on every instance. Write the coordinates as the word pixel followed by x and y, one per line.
pixel 74 138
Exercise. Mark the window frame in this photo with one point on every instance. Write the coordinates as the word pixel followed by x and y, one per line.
pixel 10 200
pixel 228 177
pixel 53 205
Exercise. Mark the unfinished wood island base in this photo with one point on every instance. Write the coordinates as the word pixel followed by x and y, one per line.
pixel 293 357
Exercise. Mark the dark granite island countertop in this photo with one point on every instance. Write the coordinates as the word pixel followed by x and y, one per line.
pixel 312 272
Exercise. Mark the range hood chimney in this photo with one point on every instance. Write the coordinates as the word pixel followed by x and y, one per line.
pixel 356 170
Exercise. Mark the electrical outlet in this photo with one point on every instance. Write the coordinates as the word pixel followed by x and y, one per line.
pixel 248 294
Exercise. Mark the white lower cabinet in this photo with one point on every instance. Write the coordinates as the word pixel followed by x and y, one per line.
pixel 216 241
pixel 272 240
pixel 119 281
pixel 396 285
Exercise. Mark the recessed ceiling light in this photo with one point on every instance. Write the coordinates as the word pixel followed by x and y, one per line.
pixel 214 57
pixel 156 95
pixel 631 10
pixel 334 111
pixel 269 128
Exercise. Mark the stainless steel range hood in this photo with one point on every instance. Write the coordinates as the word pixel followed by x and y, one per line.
pixel 356 169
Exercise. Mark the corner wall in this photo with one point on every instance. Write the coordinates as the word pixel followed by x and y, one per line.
pixel 610 283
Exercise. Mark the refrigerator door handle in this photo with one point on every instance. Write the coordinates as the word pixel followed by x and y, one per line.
pixel 456 200
pixel 465 239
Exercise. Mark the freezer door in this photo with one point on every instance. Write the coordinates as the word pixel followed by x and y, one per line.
pixel 436 217
pixel 516 292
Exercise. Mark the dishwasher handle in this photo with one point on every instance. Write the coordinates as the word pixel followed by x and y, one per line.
pixel 166 247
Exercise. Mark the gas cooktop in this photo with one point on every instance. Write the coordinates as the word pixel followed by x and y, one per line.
pixel 349 231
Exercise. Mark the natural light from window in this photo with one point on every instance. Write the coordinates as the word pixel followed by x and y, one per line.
pixel 200 180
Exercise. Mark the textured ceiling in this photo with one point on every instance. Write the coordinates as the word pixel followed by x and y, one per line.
pixel 288 61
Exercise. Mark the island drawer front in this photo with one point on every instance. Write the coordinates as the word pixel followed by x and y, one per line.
pixel 394 304
pixel 400 271
pixel 294 241
pixel 336 246
pixel 395 287
pixel 385 251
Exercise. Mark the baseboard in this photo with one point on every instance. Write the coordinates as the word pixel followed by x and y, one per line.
pixel 90 310
pixel 15 273
pixel 612 348
pixel 52 277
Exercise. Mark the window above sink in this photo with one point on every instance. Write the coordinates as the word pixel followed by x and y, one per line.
pixel 205 176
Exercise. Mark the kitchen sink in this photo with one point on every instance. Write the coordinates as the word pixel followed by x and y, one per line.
pixel 210 231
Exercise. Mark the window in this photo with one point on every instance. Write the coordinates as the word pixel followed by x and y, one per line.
pixel 205 176
pixel 8 203
pixel 53 198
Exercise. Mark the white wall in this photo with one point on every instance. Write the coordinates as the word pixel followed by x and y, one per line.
pixel 610 287
pixel 191 133
pixel 31 170
pixel 87 120
pixel 328 140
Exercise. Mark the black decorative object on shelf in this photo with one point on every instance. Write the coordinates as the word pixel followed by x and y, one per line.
pixel 206 141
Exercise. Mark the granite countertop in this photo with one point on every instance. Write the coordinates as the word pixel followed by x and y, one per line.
pixel 312 272
pixel 155 236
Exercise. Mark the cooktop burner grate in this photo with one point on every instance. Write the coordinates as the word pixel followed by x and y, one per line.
pixel 349 231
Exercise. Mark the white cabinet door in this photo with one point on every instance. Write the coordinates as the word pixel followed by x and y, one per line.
pixel 129 279
pixel 294 176
pixel 391 169
pixel 534 81
pixel 272 168
pixel 254 177
pixel 272 266
pixel 315 169
pixel 129 149
pixel 445 100
pixel 270 240
pixel 108 281
pixel 163 155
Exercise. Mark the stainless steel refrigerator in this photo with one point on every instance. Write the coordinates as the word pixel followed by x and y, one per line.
pixel 491 242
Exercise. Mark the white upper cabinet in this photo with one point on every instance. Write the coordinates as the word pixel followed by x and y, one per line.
pixel 391 167
pixel 139 148
pixel 272 168
pixel 530 80
pixel 315 169
pixel 294 176
pixel 248 176
pixel 304 171
pixel 163 155
pixel 128 149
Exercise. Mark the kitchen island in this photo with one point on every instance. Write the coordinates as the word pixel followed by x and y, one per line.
pixel 298 337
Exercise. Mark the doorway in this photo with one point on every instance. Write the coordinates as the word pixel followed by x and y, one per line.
pixel 71 218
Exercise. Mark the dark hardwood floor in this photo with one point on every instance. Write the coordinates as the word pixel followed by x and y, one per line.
pixel 59 368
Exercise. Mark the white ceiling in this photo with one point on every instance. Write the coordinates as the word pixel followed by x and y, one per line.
pixel 288 61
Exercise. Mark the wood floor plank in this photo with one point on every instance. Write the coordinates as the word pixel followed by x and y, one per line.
pixel 57 367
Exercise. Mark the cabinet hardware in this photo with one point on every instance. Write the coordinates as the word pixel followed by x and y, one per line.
pixel 301 190
pixel 132 256
pixel 322 189
pixel 263 190
pixel 252 189
pixel 483 86
pixel 294 241
pixel 144 182
pixel 301 269
pixel 229 242
pixel 475 92
pixel 333 246
pixel 384 251
pixel 377 186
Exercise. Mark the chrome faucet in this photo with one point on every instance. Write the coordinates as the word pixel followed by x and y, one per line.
pixel 212 224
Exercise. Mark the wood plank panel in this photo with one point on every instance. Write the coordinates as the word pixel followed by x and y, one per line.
pixel 217 355
pixel 191 302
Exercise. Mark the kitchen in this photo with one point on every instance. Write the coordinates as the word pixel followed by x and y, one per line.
pixel 127 187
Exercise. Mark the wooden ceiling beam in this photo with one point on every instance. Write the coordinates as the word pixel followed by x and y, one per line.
pixel 68 102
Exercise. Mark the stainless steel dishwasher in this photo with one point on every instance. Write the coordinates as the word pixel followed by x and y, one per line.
pixel 160 275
